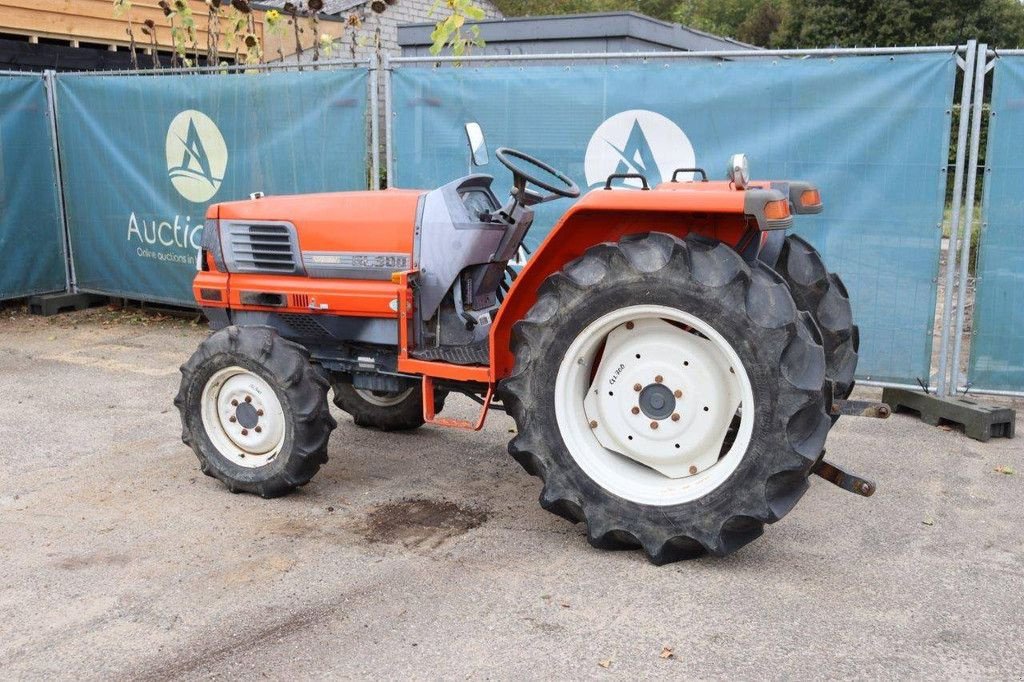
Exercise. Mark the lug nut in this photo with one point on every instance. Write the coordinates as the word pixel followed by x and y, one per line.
pixel 675 416
pixel 593 424
pixel 248 398
pixel 629 325
pixel 234 403
pixel 636 410
pixel 637 387
pixel 658 379
pixel 678 393
pixel 258 429
pixel 693 470
pixel 232 419
pixel 245 432
pixel 654 425
pixel 259 413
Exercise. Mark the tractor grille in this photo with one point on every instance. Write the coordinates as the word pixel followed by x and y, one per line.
pixel 262 247
pixel 305 326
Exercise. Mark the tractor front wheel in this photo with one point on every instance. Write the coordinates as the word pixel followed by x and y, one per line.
pixel 254 410
pixel 669 396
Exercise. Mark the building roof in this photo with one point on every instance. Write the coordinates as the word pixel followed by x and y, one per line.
pixel 640 30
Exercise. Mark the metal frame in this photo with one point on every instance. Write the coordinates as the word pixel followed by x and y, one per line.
pixel 389 116
pixel 713 54
pixel 70 277
pixel 229 68
pixel 942 389
pixel 977 107
pixel 984 65
pixel 374 96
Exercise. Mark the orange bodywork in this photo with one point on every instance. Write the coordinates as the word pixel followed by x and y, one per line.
pixel 712 209
pixel 384 221
pixel 372 221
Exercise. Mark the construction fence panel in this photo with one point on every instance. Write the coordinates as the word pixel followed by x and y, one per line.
pixel 31 230
pixel 144 156
pixel 997 343
pixel 873 132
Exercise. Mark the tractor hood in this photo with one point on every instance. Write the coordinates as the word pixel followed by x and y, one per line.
pixel 365 222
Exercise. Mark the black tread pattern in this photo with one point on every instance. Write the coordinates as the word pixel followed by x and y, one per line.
pixel 753 308
pixel 823 295
pixel 300 388
pixel 403 416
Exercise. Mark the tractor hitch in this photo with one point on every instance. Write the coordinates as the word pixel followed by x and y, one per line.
pixel 861 408
pixel 846 481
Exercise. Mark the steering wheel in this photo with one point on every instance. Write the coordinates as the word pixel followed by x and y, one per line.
pixel 520 177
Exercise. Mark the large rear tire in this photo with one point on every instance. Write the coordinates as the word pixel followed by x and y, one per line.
pixel 254 410
pixel 823 296
pixel 719 333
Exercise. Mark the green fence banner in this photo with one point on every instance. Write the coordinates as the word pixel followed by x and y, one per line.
pixel 872 132
pixel 997 344
pixel 143 156
pixel 31 231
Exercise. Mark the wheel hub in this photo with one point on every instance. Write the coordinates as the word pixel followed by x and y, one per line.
pixel 657 402
pixel 247 416
pixel 662 396
pixel 243 417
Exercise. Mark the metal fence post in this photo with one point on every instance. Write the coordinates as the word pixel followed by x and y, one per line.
pixel 374 123
pixel 942 388
pixel 389 157
pixel 50 83
pixel 972 178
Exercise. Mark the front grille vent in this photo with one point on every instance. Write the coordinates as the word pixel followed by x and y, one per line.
pixel 300 301
pixel 262 247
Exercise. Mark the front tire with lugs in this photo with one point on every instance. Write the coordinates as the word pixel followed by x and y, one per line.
pixel 254 411
pixel 717 334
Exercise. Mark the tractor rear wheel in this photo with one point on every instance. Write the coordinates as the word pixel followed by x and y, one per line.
pixel 384 410
pixel 823 295
pixel 254 410
pixel 669 396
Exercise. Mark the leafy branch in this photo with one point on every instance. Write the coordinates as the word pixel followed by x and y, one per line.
pixel 448 31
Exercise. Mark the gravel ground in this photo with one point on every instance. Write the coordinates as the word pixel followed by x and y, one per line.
pixel 427 555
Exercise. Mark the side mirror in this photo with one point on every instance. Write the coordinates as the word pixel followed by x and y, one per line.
pixel 477 144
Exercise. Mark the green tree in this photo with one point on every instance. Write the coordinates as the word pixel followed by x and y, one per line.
pixel 899 22
pixel 659 9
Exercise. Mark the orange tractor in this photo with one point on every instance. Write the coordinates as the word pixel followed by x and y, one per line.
pixel 670 356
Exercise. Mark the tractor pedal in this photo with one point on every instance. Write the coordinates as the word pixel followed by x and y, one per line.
pixel 846 481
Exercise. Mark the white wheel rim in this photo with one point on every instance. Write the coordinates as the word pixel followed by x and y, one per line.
pixel 617 447
pixel 382 399
pixel 243 417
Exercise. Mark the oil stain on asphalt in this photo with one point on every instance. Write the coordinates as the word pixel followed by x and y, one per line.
pixel 420 523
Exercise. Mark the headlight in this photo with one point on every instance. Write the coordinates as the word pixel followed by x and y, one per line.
pixel 739 170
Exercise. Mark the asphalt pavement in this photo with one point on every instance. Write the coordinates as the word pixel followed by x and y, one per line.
pixel 426 555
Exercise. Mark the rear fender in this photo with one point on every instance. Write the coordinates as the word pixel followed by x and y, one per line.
pixel 583 227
